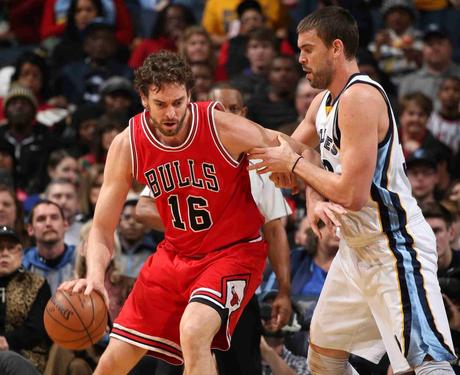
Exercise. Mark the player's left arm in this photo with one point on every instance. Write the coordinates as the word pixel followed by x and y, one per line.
pixel 361 108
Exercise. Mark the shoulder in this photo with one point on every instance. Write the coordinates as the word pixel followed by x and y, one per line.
pixel 361 96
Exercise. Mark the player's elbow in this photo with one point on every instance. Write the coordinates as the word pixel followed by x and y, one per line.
pixel 355 202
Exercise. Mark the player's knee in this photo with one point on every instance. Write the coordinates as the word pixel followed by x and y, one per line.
pixel 320 364
pixel 193 332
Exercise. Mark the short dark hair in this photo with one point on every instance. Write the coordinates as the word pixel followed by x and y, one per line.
pixel 423 101
pixel 263 34
pixel 48 202
pixel 163 68
pixel 331 23
pixel 437 211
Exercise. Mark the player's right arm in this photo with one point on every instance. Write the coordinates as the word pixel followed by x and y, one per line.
pixel 115 187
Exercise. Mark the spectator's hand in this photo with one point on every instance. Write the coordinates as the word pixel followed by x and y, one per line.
pixel 281 310
pixel 3 344
pixel 454 320
pixel 86 285
pixel 328 213
pixel 382 37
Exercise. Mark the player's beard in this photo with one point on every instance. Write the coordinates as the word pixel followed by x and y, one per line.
pixel 171 132
pixel 322 78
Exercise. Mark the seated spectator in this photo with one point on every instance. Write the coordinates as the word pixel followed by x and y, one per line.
pixel 51 257
pixel 231 56
pixel 80 81
pixel 414 112
pixel 136 243
pixel 444 123
pixel 11 213
pixel 168 28
pixel 220 18
pixel 203 75
pixel 63 18
pixel 23 297
pixel 437 65
pixel 422 174
pixel 276 358
pixel 28 140
pixel 90 188
pixel 65 193
pixel 452 203
pixel 398 47
pixel 63 165
pixel 118 97
pixel 273 105
pixel 107 129
pixel 196 46
pixel 261 48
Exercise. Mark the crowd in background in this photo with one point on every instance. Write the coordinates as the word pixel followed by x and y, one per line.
pixel 66 69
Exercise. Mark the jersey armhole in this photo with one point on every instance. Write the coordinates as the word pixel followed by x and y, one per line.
pixel 132 145
pixel 215 135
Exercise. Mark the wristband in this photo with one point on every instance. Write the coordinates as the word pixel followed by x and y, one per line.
pixel 295 163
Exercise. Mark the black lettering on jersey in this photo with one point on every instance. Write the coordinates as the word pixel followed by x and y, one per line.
pixel 334 150
pixel 166 177
pixel 181 182
pixel 321 135
pixel 195 182
pixel 327 143
pixel 152 180
pixel 327 165
pixel 209 172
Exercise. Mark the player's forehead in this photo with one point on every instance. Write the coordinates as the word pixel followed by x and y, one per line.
pixel 309 38
pixel 167 92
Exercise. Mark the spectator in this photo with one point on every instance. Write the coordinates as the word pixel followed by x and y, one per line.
pixel 11 363
pixel 63 165
pixel 437 64
pixel 276 358
pixel 220 17
pixel 415 109
pixel 11 213
pixel 196 46
pixel 452 202
pixel 51 257
pixel 168 28
pixel 136 243
pixel 203 75
pixel 398 47
pixel 445 123
pixel 67 18
pixel 423 176
pixel 91 186
pixel 231 56
pixel 274 105
pixel 118 97
pixel 23 296
pixel 30 141
pixel 80 81
pixel 64 193
pixel 261 48
pixel 108 127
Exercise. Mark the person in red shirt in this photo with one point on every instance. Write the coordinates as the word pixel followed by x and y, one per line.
pixel 189 295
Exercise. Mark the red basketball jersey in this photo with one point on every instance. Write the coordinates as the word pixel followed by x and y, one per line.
pixel 203 195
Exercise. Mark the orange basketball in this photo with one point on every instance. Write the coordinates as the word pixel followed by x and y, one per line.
pixel 74 320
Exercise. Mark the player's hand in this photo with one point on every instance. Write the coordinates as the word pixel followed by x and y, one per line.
pixel 273 159
pixel 87 286
pixel 281 310
pixel 328 213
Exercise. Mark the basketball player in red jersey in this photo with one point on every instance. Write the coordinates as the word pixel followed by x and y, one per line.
pixel 191 292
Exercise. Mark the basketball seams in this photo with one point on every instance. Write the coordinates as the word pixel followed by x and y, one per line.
pixel 78 315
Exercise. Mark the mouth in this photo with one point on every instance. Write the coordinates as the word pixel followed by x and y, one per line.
pixel 170 124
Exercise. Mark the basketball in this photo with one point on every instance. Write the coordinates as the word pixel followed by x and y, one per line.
pixel 74 320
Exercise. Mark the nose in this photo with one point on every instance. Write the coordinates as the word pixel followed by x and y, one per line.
pixel 170 113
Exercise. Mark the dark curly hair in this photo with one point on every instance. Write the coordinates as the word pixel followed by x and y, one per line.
pixel 162 68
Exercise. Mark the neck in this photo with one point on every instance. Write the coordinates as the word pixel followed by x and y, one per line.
pixel 450 113
pixel 341 76
pixel 438 68
pixel 323 258
pixel 50 250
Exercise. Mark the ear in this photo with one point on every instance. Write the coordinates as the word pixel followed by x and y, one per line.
pixel 144 100
pixel 30 230
pixel 337 47
pixel 451 233
pixel 244 111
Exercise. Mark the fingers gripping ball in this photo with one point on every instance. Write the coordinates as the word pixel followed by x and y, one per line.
pixel 74 320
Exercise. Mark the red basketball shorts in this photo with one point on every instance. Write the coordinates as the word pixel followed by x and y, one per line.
pixel 225 280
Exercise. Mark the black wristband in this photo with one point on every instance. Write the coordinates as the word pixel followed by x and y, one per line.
pixel 295 163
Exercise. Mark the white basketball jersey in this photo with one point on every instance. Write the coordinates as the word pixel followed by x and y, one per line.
pixel 391 204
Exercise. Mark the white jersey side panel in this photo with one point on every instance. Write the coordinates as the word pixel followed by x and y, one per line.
pixel 390 204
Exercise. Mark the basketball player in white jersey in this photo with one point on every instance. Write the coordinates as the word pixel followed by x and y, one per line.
pixel 381 293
